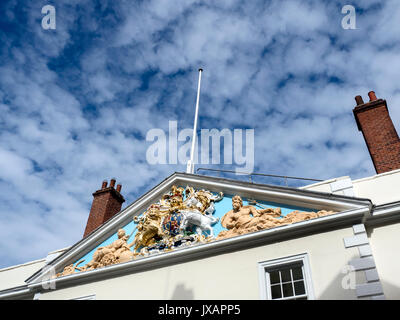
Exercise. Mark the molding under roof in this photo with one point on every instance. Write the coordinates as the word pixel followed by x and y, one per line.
pixel 249 240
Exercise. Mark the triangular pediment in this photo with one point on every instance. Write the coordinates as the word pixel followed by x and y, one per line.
pixel 189 224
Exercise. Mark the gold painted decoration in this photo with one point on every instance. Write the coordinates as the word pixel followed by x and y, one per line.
pixel 164 226
pixel 172 222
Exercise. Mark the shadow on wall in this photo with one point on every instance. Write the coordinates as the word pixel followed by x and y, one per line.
pixel 337 288
pixel 337 291
pixel 181 293
pixel 391 291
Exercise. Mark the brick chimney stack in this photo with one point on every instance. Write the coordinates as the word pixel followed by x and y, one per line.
pixel 380 135
pixel 106 203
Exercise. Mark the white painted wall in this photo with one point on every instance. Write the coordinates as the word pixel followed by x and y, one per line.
pixel 323 186
pixel 16 275
pixel 228 276
pixel 380 189
pixel 384 242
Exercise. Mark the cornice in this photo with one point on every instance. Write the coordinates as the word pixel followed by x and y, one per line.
pixel 250 240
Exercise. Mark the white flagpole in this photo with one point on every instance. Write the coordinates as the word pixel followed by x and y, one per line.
pixel 190 164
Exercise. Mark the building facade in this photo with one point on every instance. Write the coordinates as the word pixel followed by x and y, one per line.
pixel 202 237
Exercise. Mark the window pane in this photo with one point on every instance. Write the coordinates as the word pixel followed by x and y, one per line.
pixel 287 290
pixel 299 287
pixel 302 298
pixel 276 292
pixel 297 273
pixel 285 273
pixel 274 277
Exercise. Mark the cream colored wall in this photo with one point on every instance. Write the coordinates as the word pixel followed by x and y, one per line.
pixel 323 186
pixel 382 188
pixel 16 275
pixel 385 247
pixel 228 276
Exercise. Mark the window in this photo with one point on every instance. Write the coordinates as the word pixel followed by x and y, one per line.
pixel 286 279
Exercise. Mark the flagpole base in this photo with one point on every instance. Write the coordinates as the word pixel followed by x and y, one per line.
pixel 190 167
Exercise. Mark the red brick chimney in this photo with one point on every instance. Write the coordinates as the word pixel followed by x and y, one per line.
pixel 106 203
pixel 380 135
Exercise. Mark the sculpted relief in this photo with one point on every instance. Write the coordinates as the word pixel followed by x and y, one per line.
pixel 117 252
pixel 183 217
pixel 244 219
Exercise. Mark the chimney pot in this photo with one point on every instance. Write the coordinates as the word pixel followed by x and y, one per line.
pixel 104 185
pixel 372 96
pixel 359 100
pixel 119 187
pixel 112 182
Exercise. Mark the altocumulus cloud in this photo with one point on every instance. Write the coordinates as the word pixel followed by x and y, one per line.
pixel 76 102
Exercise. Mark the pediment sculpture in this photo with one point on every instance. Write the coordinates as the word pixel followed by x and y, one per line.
pixel 183 217
pixel 245 219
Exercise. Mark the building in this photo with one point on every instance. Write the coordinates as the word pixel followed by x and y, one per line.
pixel 202 237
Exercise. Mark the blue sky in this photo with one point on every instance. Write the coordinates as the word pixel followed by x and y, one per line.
pixel 76 102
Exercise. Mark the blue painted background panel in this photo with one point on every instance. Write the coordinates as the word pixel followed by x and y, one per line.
pixel 221 208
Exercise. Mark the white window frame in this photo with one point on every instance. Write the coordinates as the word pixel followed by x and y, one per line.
pixel 264 281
